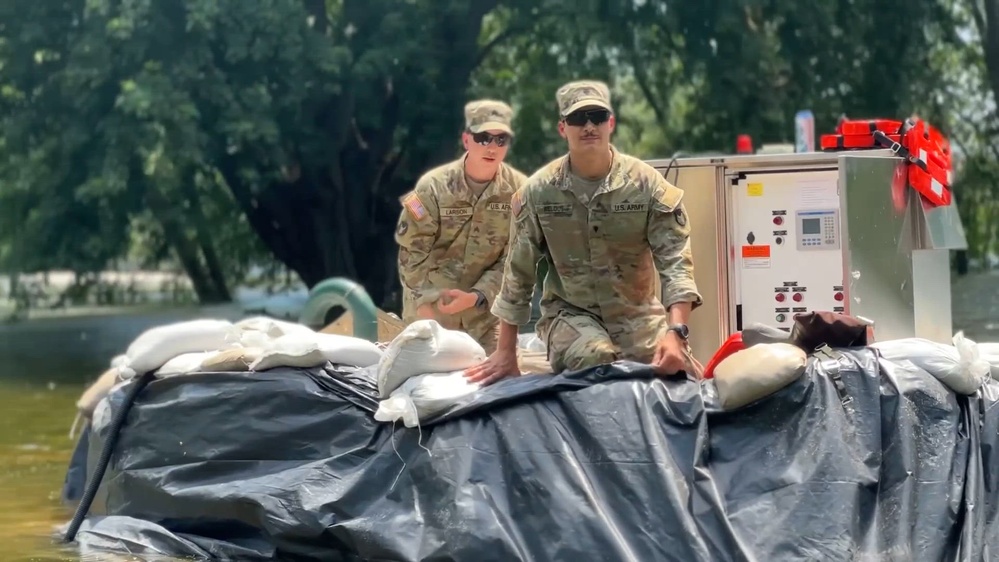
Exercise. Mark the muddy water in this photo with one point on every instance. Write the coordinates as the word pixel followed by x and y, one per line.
pixel 46 364
pixel 44 367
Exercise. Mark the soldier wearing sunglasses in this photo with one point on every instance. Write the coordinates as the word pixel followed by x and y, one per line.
pixel 606 224
pixel 454 228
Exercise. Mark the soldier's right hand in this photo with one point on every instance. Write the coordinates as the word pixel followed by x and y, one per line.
pixel 498 366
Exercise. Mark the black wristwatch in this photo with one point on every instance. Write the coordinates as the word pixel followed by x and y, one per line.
pixel 681 330
pixel 480 302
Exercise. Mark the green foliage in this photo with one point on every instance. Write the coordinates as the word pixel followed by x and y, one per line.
pixel 224 133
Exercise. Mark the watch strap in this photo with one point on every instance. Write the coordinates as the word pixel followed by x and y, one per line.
pixel 681 330
pixel 480 301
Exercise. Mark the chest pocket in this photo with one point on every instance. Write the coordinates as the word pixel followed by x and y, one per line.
pixel 496 217
pixel 454 219
pixel 564 227
pixel 555 217
pixel 625 222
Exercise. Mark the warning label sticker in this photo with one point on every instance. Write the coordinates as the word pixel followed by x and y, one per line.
pixel 756 256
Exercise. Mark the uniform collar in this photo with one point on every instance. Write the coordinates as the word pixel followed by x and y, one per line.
pixel 460 183
pixel 612 181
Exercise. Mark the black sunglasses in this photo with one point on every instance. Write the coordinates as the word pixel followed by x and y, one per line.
pixel 484 139
pixel 595 116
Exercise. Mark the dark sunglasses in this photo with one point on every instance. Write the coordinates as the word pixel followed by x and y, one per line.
pixel 484 139
pixel 595 116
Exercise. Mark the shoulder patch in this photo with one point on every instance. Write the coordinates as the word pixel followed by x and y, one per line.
pixel 415 207
pixel 517 202
pixel 669 195
pixel 681 218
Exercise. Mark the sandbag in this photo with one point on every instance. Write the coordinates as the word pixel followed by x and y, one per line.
pixel 289 351
pixel 960 366
pixel 236 359
pixel 184 363
pixel 756 372
pixel 97 391
pixel 425 347
pixel 347 350
pixel 424 396
pixel 154 347
pixel 272 327
pixel 299 358
pixel 263 333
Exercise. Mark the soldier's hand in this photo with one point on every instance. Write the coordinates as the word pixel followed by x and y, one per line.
pixel 498 366
pixel 453 301
pixel 425 311
pixel 670 358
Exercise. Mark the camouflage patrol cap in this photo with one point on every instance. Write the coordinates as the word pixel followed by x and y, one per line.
pixel 583 93
pixel 488 115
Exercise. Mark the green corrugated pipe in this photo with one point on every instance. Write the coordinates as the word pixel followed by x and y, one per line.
pixel 340 291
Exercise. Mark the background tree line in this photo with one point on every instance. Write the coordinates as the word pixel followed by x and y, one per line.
pixel 220 134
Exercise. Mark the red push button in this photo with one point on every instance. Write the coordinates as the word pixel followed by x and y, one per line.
pixel 778 220
pixel 780 297
pixel 838 297
pixel 798 297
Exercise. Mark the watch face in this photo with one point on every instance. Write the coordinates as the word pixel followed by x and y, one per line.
pixel 682 330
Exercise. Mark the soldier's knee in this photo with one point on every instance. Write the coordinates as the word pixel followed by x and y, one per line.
pixel 579 343
pixel 578 359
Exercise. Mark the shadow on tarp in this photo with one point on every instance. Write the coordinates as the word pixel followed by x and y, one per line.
pixel 610 463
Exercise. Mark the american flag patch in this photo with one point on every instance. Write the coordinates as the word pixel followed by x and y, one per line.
pixel 414 206
pixel 516 203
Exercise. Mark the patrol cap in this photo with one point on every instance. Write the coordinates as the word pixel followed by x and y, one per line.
pixel 488 115
pixel 583 93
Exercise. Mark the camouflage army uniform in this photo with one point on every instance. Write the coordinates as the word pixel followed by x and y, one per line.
pixel 603 252
pixel 450 237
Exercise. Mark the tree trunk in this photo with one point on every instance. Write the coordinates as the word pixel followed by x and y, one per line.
pixel 335 215
pixel 214 266
pixel 186 250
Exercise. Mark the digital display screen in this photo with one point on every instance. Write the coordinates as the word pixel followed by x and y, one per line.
pixel 810 226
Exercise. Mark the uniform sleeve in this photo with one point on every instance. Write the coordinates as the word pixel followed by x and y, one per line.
pixel 513 304
pixel 416 233
pixel 492 278
pixel 669 238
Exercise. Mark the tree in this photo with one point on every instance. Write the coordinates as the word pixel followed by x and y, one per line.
pixel 305 120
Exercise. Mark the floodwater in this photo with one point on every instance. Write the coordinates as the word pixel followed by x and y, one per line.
pixel 44 367
pixel 46 364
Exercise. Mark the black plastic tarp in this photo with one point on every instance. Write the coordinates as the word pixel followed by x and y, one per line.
pixel 860 459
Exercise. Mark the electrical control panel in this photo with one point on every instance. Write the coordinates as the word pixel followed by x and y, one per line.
pixel 787 250
pixel 817 229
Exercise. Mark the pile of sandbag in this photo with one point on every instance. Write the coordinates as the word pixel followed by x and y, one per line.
pixel 258 343
pixel 253 344
pixel 963 367
pixel 421 372
pixel 773 359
